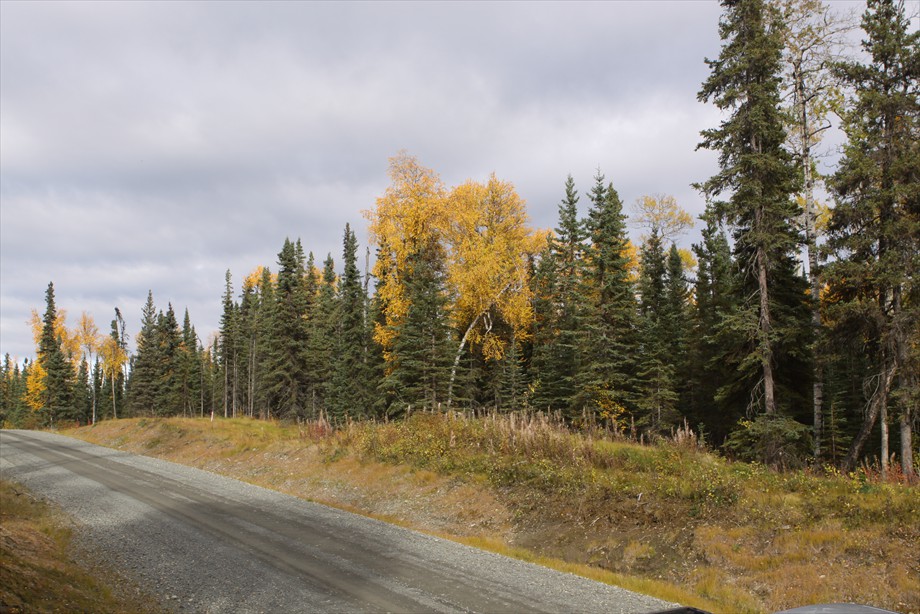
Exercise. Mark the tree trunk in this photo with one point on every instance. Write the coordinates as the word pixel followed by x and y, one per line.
pixel 883 417
pixel 812 256
pixel 766 357
pixel 907 448
pixel 114 410
pixel 875 405
pixel 453 370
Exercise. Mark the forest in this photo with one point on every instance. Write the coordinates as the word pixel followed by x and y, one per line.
pixel 789 335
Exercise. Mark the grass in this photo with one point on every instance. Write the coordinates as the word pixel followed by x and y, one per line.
pixel 669 520
pixel 37 573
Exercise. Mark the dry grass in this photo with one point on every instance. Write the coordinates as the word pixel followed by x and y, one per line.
pixel 669 520
pixel 37 573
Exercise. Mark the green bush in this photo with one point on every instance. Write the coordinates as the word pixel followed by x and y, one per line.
pixel 776 441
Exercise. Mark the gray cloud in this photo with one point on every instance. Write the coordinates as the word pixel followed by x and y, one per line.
pixel 155 145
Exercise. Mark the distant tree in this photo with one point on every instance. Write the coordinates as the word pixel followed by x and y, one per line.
pixel 662 214
pixel 169 364
pixel 676 322
pixel 547 370
pixel 190 376
pixel 265 346
pixel 82 394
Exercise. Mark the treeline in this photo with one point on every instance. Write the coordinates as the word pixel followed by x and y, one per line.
pixel 790 334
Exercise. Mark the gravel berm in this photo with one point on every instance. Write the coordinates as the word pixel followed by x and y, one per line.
pixel 206 543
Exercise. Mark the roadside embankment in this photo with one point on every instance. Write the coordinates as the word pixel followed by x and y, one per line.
pixel 671 521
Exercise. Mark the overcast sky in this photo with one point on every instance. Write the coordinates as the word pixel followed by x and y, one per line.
pixel 155 145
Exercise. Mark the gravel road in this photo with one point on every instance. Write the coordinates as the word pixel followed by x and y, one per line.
pixel 206 543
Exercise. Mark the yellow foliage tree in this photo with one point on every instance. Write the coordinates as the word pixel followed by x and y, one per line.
pixel 410 214
pixel 114 357
pixel 482 232
pixel 35 386
pixel 70 340
pixel 87 337
pixel 489 241
pixel 661 212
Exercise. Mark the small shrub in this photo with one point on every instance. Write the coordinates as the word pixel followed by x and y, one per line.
pixel 777 441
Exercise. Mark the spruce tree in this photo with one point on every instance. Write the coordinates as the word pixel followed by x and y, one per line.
pixel 875 227
pixel 675 323
pixel 190 370
pixel 657 402
pixel 246 343
pixel 228 348
pixel 287 377
pixel 143 383
pixel 82 396
pixel 58 401
pixel 714 302
pixel 169 364
pixel 547 369
pixel 569 257
pixel 609 333
pixel 266 343
pixel 322 340
pixel 756 173
pixel 420 368
pixel 352 377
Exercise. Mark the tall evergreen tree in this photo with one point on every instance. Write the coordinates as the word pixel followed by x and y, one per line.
pixel 266 342
pixel 547 370
pixel 143 384
pixel 568 249
pixel 756 172
pixel 288 380
pixel 169 364
pixel 228 347
pixel 246 340
pixel 422 349
pixel 608 338
pixel 710 362
pixel 57 399
pixel 82 394
pixel 675 323
pixel 657 402
pixel 322 340
pixel 352 375
pixel 875 227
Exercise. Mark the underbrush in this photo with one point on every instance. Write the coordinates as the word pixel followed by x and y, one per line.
pixel 670 519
